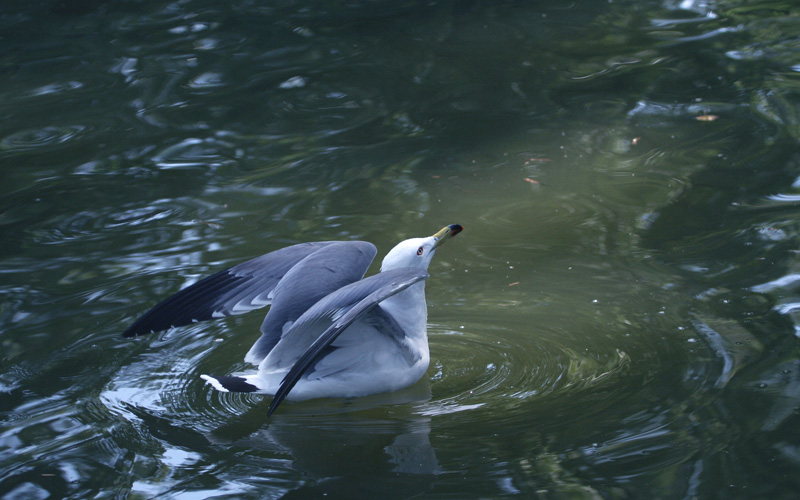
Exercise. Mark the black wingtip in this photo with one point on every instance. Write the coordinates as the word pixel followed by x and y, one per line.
pixel 276 401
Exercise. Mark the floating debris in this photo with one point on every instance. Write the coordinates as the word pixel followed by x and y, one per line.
pixel 706 118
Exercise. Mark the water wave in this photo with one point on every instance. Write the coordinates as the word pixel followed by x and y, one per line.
pixel 165 379
pixel 41 138
pixel 482 372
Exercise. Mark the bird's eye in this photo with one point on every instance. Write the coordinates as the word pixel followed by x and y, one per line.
pixel 420 250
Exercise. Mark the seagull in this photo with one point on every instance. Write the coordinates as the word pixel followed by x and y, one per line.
pixel 329 331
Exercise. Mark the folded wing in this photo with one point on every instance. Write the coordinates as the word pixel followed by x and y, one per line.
pixel 318 274
pixel 342 308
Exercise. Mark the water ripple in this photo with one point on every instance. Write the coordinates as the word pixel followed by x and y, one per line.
pixel 196 153
pixel 207 81
pixel 165 379
pixel 481 372
pixel 55 88
pixel 784 198
pixel 41 138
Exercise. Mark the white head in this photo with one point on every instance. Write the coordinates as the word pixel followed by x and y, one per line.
pixel 418 252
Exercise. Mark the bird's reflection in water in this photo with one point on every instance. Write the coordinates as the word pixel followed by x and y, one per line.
pixel 370 447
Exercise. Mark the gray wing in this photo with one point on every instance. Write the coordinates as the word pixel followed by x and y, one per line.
pixel 344 307
pixel 236 290
pixel 317 275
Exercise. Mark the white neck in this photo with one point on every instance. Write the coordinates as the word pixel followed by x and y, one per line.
pixel 410 299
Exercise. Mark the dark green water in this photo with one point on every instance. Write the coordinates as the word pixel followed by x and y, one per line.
pixel 620 318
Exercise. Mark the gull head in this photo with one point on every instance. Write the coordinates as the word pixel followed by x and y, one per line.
pixel 418 252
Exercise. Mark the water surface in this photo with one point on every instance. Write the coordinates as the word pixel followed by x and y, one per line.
pixel 619 319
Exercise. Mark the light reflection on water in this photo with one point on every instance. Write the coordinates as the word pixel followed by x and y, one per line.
pixel 618 320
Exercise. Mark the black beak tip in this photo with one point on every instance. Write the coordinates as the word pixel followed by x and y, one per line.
pixel 455 229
